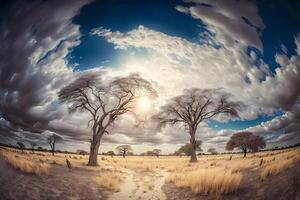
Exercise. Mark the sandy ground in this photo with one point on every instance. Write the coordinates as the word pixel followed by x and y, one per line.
pixel 61 183
pixel 283 186
pixel 145 186
pixel 77 184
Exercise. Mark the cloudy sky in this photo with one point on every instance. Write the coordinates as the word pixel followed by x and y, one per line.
pixel 249 49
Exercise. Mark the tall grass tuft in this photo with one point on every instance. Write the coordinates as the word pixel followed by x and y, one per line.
pixel 207 181
pixel 110 180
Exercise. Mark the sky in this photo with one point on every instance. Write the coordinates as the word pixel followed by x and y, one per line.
pixel 249 49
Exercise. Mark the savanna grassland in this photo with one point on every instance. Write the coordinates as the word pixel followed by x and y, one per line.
pixel 39 175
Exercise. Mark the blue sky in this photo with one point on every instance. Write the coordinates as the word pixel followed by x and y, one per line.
pixel 281 20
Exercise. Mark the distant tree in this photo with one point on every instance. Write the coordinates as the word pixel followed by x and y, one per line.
pixel 40 149
pixel 110 153
pixel 52 140
pixel 149 153
pixel 82 152
pixel 188 149
pixel 21 146
pixel 143 154
pixel 193 107
pixel 212 151
pixel 124 150
pixel 104 102
pixel 245 141
pixel 33 145
pixel 156 152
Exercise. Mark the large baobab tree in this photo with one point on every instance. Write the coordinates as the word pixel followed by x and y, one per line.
pixel 124 149
pixel 245 141
pixel 195 106
pixel 105 101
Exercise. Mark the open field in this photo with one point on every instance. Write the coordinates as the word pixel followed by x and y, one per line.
pixel 40 175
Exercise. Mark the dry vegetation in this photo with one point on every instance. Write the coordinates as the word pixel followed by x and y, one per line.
pixel 26 164
pixel 216 174
pixel 279 163
pixel 207 181
pixel 109 179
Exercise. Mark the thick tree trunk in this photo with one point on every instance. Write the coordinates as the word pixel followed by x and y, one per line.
pixel 93 157
pixel 193 144
pixel 124 154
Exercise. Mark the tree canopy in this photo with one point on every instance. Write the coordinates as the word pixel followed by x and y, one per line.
pixel 195 106
pixel 124 150
pixel 105 101
pixel 246 141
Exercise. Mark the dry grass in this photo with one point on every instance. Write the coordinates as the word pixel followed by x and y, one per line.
pixel 26 165
pixel 212 174
pixel 110 180
pixel 280 163
pixel 207 181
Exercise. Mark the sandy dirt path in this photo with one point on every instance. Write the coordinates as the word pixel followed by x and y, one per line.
pixel 141 185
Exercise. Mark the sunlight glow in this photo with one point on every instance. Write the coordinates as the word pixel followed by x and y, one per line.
pixel 144 104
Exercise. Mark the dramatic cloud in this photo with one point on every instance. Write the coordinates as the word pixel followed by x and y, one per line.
pixel 281 129
pixel 36 38
pixel 196 65
pixel 180 64
pixel 231 22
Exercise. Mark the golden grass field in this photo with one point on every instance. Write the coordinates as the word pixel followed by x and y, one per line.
pixel 213 174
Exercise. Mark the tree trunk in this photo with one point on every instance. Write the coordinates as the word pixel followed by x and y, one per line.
pixel 53 149
pixel 93 157
pixel 193 144
pixel 124 154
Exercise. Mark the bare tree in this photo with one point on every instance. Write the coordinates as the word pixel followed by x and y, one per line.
pixel 245 141
pixel 124 150
pixel 194 107
pixel 52 140
pixel 212 150
pixel 33 145
pixel 21 146
pixel 105 102
pixel 156 152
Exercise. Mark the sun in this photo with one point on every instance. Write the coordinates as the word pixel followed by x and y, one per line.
pixel 144 104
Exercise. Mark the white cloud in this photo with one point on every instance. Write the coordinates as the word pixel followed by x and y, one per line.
pixel 231 21
pixel 34 70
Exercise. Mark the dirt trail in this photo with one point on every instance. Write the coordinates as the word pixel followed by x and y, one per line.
pixel 141 185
